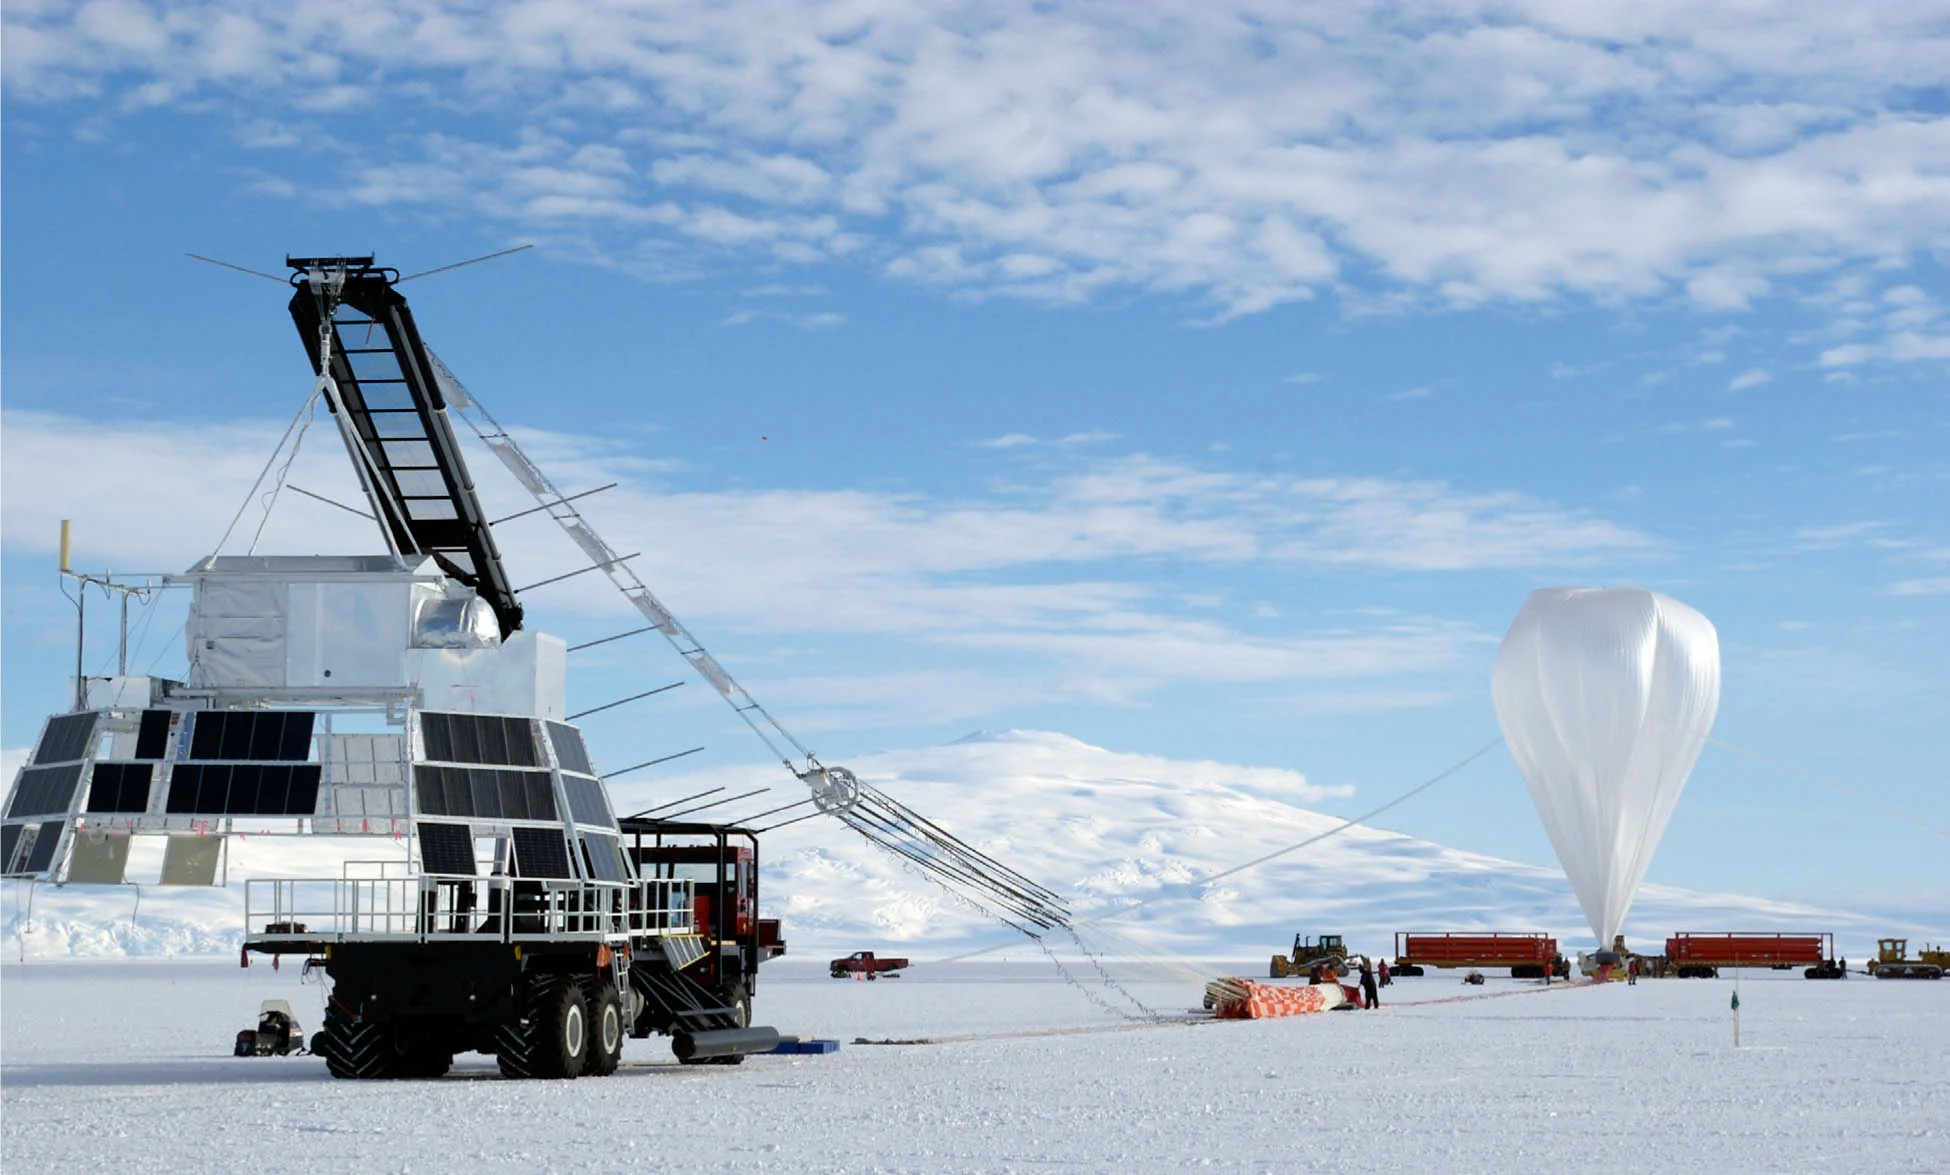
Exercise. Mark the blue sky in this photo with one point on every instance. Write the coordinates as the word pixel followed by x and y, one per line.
pixel 1203 380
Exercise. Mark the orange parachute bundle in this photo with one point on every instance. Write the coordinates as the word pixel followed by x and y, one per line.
pixel 1243 999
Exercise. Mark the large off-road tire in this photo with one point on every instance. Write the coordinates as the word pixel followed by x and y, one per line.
pixel 548 1036
pixel 354 1050
pixel 606 1031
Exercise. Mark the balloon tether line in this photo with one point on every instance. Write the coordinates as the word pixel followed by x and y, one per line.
pixel 1844 789
pixel 1182 890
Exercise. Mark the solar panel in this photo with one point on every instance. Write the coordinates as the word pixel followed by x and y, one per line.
pixel 302 799
pixel 120 787
pixel 569 749
pixel 540 852
pixel 152 735
pixel 41 857
pixel 41 790
pixel 446 848
pixel 604 859
pixel 66 737
pixel 587 801
pixel 9 841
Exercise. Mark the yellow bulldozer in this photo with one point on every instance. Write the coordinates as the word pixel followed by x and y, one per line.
pixel 1893 961
pixel 1327 951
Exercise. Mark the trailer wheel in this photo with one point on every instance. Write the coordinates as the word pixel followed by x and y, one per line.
pixel 606 1032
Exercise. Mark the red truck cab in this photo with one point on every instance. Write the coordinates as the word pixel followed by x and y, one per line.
pixel 721 863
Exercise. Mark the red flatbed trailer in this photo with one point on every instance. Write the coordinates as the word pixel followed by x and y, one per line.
pixel 1700 956
pixel 1526 955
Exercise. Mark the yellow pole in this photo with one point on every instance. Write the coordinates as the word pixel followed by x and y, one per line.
pixel 66 534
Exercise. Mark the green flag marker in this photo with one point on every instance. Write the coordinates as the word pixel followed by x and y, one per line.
pixel 1736 1001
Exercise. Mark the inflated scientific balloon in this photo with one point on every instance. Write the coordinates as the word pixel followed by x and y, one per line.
pixel 1606 696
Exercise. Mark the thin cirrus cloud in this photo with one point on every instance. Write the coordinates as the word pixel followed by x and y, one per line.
pixel 1518 150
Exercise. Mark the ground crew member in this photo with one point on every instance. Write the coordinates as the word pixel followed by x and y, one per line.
pixel 1381 969
pixel 1632 972
pixel 1367 985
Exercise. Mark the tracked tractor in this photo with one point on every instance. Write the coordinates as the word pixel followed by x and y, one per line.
pixel 1893 962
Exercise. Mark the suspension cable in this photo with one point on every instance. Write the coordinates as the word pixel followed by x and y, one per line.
pixel 1187 887
pixel 1844 789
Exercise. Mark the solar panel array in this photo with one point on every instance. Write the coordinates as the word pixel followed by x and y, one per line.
pixel 484 793
pixel 243 789
pixel 490 739
pixel 282 736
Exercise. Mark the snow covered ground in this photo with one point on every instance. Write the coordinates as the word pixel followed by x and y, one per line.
pixel 123 1065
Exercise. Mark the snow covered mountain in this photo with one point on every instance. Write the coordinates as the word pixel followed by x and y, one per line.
pixel 1104 828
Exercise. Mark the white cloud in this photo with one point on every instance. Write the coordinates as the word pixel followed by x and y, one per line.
pixel 1751 378
pixel 1823 537
pixel 1909 345
pixel 821 320
pixel 1302 377
pixel 1847 355
pixel 1052 574
pixel 1934 586
pixel 1416 393
pixel 1522 151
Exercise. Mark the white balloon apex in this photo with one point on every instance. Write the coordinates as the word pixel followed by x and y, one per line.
pixel 1605 697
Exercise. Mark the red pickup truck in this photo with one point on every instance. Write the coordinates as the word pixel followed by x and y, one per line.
pixel 868 964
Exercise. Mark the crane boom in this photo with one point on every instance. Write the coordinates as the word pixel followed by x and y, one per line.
pixel 379 382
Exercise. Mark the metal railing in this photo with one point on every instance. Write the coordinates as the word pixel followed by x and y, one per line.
pixel 441 908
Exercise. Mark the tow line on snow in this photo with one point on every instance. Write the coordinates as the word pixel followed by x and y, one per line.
pixel 1499 995
pixel 1028 1033
pixel 1180 1021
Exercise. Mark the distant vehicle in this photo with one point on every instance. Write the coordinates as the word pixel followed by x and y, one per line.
pixel 1309 953
pixel 1893 961
pixel 1526 955
pixel 1700 956
pixel 277 1033
pixel 868 964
